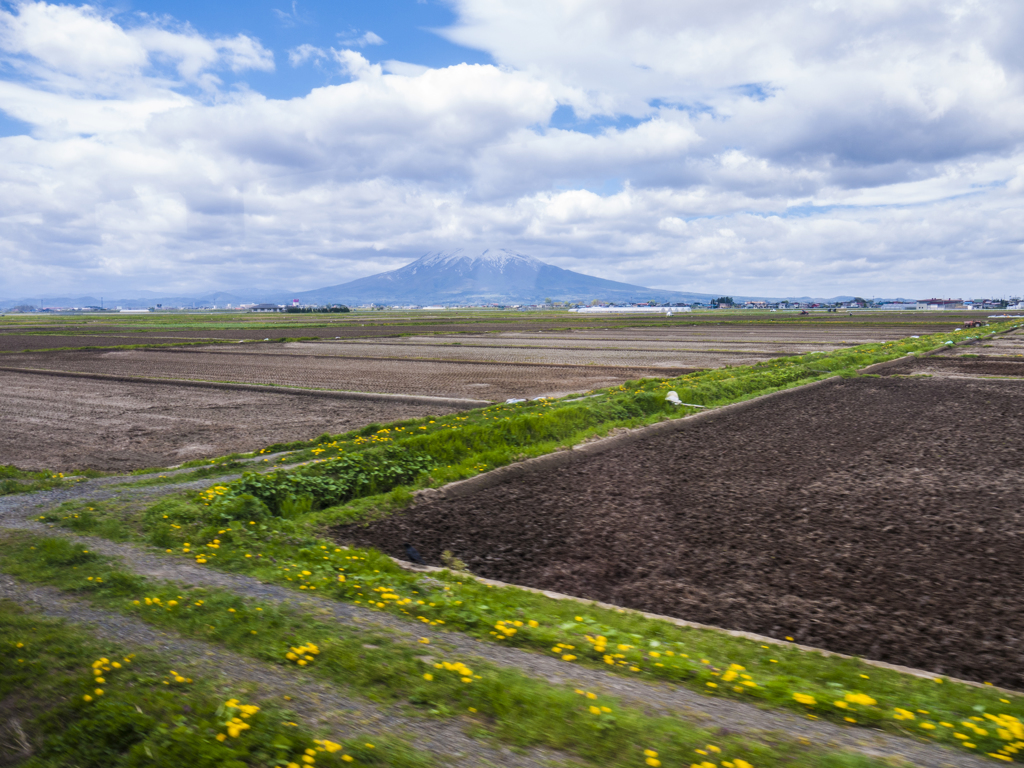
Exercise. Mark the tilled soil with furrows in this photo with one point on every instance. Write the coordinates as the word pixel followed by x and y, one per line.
pixel 487 381
pixel 958 366
pixel 875 517
pixel 68 423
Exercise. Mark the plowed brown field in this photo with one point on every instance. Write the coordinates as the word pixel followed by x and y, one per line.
pixel 65 423
pixel 408 377
pixel 876 517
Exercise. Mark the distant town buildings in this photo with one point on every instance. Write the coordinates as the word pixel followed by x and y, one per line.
pixel 940 304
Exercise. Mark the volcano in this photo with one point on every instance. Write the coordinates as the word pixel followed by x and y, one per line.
pixel 495 276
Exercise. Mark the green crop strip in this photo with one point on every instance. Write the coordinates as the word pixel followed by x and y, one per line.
pixel 92 704
pixel 509 705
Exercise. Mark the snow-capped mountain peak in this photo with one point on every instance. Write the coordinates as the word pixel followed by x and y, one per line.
pixel 493 258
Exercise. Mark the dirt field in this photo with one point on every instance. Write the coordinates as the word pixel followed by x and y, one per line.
pixel 63 423
pixel 667 356
pixel 959 366
pixel 877 517
pixel 20 333
pixel 476 355
pixel 407 377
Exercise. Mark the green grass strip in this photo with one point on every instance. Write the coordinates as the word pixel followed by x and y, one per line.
pixel 14 480
pixel 845 691
pixel 88 703
pixel 504 702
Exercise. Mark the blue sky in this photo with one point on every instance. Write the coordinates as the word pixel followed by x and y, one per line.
pixel 792 148
pixel 405 26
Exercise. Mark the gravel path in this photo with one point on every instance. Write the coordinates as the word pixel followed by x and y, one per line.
pixel 655 698
pixel 324 708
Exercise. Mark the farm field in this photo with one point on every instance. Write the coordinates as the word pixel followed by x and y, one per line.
pixel 482 381
pixel 1002 357
pixel 874 517
pixel 20 333
pixel 960 366
pixel 109 425
pixel 541 352
pixel 845 514
pixel 478 356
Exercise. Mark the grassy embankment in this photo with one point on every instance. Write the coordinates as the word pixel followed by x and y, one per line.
pixel 14 480
pixel 501 703
pixel 268 526
pixel 68 698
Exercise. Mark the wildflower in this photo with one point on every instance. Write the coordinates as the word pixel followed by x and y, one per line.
pixel 861 698
pixel 803 698
pixel 428 677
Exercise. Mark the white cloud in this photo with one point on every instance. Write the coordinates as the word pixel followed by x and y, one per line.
pixel 78 49
pixel 796 147
pixel 305 52
pixel 351 39
pixel 371 38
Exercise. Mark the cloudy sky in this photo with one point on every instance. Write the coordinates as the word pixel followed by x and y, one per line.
pixel 795 147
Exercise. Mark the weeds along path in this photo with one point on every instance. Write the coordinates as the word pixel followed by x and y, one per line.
pixel 653 698
pixel 101 488
pixel 322 707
